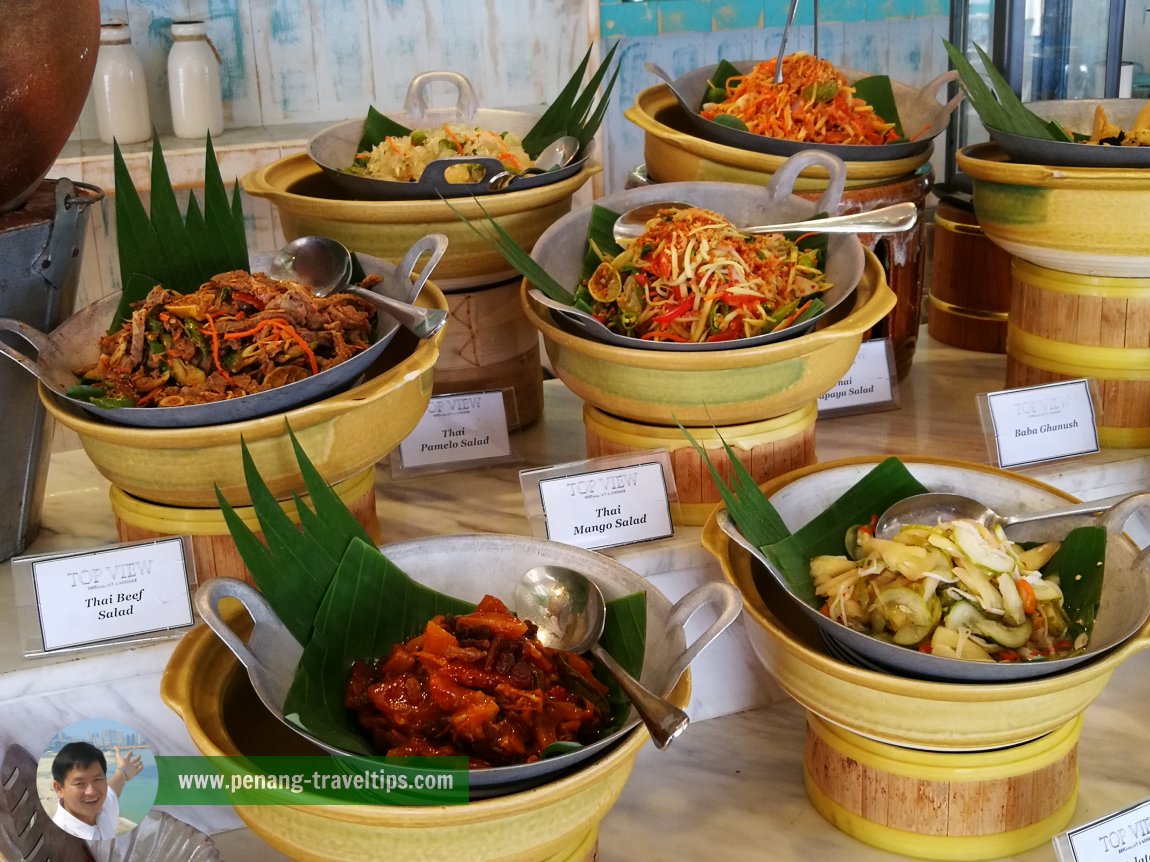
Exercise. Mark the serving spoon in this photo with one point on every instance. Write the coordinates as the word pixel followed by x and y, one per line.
pixel 543 299
pixel 889 219
pixel 570 612
pixel 557 154
pixel 324 266
pixel 934 508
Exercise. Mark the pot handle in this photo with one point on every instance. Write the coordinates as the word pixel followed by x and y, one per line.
pixel 49 367
pixel 728 602
pixel 271 654
pixel 415 103
pixel 434 244
pixel 929 90
pixel 782 183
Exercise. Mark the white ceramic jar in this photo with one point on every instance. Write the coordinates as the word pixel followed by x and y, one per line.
pixel 194 82
pixel 119 90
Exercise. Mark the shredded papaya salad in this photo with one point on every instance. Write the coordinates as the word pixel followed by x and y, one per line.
pixel 692 277
pixel 813 103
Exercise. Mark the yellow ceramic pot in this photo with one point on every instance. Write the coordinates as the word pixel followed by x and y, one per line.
pixel 909 712
pixel 310 204
pixel 342 435
pixel 1092 221
pixel 672 153
pixel 721 387
pixel 556 822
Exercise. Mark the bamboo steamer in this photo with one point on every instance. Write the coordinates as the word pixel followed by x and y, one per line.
pixel 1065 326
pixel 970 283
pixel 213 550
pixel 943 805
pixel 767 449
pixel 490 345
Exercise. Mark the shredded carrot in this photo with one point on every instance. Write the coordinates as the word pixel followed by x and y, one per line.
pixel 450 134
pixel 263 324
pixel 216 348
pixel 290 331
pixel 813 103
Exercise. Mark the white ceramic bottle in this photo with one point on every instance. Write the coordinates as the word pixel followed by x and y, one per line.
pixel 119 90
pixel 194 82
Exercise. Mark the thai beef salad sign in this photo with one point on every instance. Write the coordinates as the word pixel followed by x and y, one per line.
pixel 109 594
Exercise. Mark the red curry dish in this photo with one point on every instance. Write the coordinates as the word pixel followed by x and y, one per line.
pixel 238 334
pixel 479 685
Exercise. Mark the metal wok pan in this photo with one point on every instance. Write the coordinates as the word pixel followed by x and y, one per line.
pixel 1125 593
pixel 74 344
pixel 560 249
pixel 470 566
pixel 335 148
pixel 920 113
pixel 1078 116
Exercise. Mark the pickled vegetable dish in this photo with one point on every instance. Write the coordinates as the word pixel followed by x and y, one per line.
pixel 813 103
pixel 404 158
pixel 479 685
pixel 236 335
pixel 692 277
pixel 957 590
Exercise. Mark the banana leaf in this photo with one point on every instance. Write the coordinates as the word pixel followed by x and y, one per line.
pixel 344 600
pixel 377 127
pixel 180 253
pixel 882 487
pixel 790 553
pixel 1000 108
pixel 1078 566
pixel 516 256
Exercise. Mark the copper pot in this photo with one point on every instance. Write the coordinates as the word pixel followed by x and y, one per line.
pixel 46 64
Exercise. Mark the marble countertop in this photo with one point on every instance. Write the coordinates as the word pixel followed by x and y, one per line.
pixel 744 760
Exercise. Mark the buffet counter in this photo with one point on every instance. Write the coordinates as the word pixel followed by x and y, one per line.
pixel 732 786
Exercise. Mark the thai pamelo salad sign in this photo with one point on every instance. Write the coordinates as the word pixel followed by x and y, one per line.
pixel 110 594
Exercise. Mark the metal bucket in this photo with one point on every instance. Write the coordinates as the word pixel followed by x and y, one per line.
pixel 40 250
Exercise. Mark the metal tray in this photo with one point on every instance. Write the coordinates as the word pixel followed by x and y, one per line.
pixel 74 344
pixel 919 111
pixel 1077 115
pixel 335 148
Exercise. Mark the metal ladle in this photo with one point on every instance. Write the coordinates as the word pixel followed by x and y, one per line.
pixel 889 219
pixel 324 265
pixel 934 508
pixel 569 611
pixel 543 299
pixel 556 154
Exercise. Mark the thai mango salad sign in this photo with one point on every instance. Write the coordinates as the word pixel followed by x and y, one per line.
pixel 604 502
pixel 110 594
pixel 1040 423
